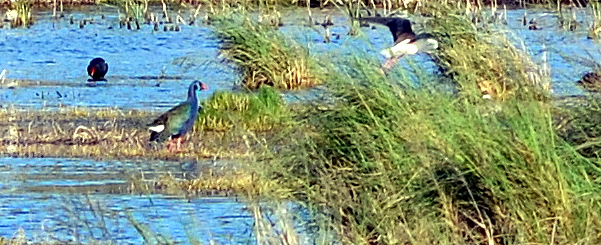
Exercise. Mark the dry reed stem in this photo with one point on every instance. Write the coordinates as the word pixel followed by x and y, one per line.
pixel 105 134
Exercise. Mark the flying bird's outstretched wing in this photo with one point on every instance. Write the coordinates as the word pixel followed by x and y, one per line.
pixel 399 27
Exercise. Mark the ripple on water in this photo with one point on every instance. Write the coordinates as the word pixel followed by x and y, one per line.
pixel 51 214
pixel 60 52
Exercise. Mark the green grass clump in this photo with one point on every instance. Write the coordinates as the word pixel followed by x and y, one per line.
pixel 261 111
pixel 388 163
pixel 263 55
pixel 481 59
pixel 580 125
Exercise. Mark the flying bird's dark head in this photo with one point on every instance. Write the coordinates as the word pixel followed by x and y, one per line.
pixel 404 24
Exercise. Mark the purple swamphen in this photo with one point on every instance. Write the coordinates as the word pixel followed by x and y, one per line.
pixel 175 123
pixel 97 69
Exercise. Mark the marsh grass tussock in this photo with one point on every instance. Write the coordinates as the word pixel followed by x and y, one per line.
pixel 578 124
pixel 394 164
pixel 262 54
pixel 136 10
pixel 18 239
pixel 480 58
pixel 591 81
pixel 261 111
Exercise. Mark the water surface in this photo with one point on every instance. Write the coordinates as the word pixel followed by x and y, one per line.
pixel 152 69
pixel 56 199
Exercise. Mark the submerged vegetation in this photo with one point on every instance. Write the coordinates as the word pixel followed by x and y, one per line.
pixel 20 14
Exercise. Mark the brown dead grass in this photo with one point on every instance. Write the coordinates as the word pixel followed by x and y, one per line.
pixel 106 134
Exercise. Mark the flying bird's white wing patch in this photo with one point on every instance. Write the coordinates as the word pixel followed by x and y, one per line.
pixel 406 41
pixel 158 128
pixel 388 53
pixel 400 49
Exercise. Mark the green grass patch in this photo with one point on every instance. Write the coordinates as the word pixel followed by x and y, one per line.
pixel 260 111
pixel 479 58
pixel 390 164
pixel 263 55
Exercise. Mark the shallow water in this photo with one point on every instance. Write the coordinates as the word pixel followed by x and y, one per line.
pixel 568 54
pixel 56 53
pixel 48 217
pixel 151 71
pixel 86 200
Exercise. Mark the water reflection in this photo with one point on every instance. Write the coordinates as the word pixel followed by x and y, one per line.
pixel 53 217
pixel 55 199
pixel 148 69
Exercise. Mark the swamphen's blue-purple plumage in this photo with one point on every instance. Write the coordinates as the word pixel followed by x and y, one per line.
pixel 97 69
pixel 175 123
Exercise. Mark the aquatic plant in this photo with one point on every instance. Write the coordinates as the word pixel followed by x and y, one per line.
pixel 591 81
pixel 567 21
pixel 578 123
pixel 135 10
pixel 594 31
pixel 353 12
pixel 261 111
pixel 18 239
pixel 227 127
pixel 263 55
pixel 482 64
pixel 389 163
pixel 20 15
pixel 103 134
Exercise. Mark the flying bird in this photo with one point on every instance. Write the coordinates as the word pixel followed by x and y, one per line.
pixel 179 120
pixel 405 40
pixel 97 69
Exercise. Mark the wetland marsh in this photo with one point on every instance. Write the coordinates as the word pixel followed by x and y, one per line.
pixel 78 167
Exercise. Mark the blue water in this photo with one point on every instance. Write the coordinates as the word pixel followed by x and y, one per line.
pixel 40 197
pixel 34 193
pixel 569 54
pixel 48 217
pixel 56 53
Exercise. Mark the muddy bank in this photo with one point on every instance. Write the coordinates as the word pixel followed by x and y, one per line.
pixel 108 134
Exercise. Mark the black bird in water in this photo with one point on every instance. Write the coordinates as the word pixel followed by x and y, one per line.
pixel 405 40
pixel 97 69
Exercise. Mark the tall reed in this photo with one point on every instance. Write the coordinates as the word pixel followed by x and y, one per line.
pixel 481 62
pixel 21 15
pixel 389 163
